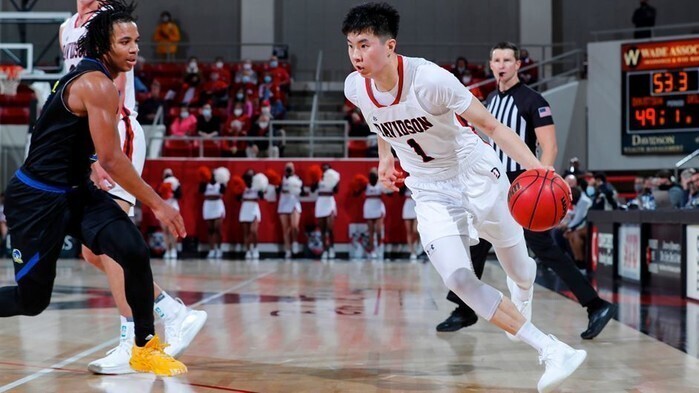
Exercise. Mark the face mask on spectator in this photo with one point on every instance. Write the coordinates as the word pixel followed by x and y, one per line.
pixel 266 110
pixel 239 96
pixel 237 111
pixel 184 114
pixel 165 19
pixel 466 79
pixel 193 64
pixel 263 124
pixel 268 79
pixel 219 64
pixel 247 66
pixel 206 112
pixel 273 64
pixel 246 79
pixel 461 69
pixel 590 191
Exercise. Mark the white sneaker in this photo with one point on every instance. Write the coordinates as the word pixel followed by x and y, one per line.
pixel 248 254
pixel 255 254
pixel 211 254
pixel 287 254
pixel 218 253
pixel 324 256
pixel 116 361
pixel 331 253
pixel 561 361
pixel 372 255
pixel 525 308
pixel 173 253
pixel 413 257
pixel 180 332
pixel 295 248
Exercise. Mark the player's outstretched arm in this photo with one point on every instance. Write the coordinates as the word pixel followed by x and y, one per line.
pixel 507 139
pixel 96 96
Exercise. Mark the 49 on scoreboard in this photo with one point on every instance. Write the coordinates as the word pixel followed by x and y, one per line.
pixel 660 97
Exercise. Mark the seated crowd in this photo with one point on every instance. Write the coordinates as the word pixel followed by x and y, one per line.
pixel 235 100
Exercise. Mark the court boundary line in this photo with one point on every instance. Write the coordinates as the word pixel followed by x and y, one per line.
pixel 89 351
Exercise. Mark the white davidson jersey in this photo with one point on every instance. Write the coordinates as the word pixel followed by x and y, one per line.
pixel 421 124
pixel 70 34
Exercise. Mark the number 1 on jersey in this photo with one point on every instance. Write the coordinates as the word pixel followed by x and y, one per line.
pixel 418 149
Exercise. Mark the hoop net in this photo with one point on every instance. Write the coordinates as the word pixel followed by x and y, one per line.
pixel 10 78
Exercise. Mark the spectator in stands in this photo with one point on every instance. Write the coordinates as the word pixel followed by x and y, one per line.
pixel 215 89
pixel 357 125
pixel 668 194
pixel 140 78
pixel 259 129
pixel 279 74
pixel 223 72
pixel 605 196
pixel 237 125
pixel 460 68
pixel 148 108
pixel 186 123
pixel 685 182
pixel 267 88
pixel 693 188
pixel 246 75
pixel 167 37
pixel 208 124
pixel 278 109
pixel 192 80
pixel 576 230
pixel 531 75
pixel 643 17
pixel 192 70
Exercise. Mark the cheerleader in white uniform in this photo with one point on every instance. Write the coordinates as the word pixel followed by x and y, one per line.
pixel 326 209
pixel 289 209
pixel 374 213
pixel 410 220
pixel 250 215
pixel 213 212
pixel 170 191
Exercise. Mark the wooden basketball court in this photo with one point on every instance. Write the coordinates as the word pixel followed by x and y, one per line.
pixel 306 326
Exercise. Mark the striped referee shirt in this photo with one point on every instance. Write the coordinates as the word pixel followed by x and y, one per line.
pixel 523 110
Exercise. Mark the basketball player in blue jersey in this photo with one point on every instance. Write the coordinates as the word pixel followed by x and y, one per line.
pixel 181 324
pixel 457 181
pixel 51 195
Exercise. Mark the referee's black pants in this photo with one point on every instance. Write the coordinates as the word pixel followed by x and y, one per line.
pixel 552 256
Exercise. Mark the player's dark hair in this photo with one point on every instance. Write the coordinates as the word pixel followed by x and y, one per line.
pixel 505 45
pixel 380 19
pixel 97 39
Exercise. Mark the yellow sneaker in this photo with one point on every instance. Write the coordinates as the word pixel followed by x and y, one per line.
pixel 152 359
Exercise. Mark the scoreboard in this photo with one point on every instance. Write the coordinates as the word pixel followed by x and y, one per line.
pixel 660 97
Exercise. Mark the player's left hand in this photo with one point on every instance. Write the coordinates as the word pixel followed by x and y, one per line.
pixel 101 178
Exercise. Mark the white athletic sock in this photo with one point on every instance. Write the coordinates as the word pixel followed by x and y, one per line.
pixel 533 336
pixel 166 307
pixel 127 328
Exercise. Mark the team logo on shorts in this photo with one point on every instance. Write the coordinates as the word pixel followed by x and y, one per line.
pixel 17 256
pixel 495 172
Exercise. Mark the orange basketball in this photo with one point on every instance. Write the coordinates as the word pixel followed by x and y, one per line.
pixel 539 199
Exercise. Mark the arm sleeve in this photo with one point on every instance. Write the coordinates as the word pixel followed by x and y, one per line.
pixel 540 112
pixel 438 90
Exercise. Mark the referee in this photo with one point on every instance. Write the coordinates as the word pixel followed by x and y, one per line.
pixel 527 113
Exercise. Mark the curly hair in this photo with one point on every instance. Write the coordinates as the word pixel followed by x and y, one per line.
pixel 97 39
pixel 380 19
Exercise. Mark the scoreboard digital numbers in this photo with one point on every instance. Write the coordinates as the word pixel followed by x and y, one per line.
pixel 660 97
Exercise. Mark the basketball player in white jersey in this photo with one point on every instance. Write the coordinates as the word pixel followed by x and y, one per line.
pixel 374 212
pixel 181 324
pixel 457 181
